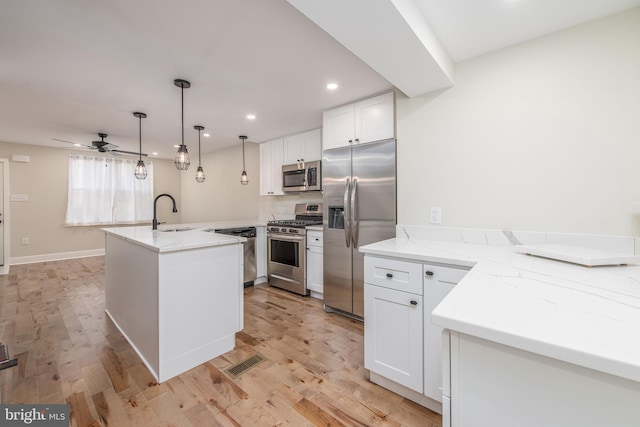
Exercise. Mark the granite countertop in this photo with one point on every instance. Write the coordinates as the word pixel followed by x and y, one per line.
pixel 585 316
pixel 169 241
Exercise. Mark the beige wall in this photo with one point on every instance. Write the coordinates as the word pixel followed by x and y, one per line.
pixel 44 180
pixel 221 196
pixel 543 136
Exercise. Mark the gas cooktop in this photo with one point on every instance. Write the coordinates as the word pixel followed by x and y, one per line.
pixel 306 214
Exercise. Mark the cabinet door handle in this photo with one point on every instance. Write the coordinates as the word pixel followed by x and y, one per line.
pixel 351 141
pixel 414 302
pixel 429 273
pixel 389 276
pixel 357 139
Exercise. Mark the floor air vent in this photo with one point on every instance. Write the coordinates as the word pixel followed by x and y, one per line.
pixel 245 365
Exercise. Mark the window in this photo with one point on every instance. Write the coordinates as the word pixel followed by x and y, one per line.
pixel 104 190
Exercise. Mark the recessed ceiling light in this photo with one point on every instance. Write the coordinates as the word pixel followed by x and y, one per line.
pixel 251 116
pixel 206 135
pixel 154 154
pixel 176 146
pixel 77 145
pixel 332 86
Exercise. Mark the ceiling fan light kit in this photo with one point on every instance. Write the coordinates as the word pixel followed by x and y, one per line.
pixel 182 160
pixel 140 170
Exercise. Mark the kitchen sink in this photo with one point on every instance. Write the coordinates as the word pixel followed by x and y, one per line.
pixel 173 230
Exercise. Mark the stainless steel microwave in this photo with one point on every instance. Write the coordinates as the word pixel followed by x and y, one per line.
pixel 305 176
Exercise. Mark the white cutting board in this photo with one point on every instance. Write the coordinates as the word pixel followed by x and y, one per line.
pixel 577 255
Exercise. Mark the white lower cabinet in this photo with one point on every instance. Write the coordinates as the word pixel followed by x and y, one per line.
pixel 438 282
pixel 393 335
pixel 494 385
pixel 400 342
pixel 314 263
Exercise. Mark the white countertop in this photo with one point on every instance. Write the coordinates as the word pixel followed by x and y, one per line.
pixel 314 227
pixel 585 316
pixel 169 241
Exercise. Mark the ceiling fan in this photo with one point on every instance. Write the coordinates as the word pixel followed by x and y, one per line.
pixel 103 146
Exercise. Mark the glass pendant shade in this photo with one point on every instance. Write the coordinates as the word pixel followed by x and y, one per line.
pixel 244 179
pixel 200 171
pixel 141 170
pixel 182 160
pixel 200 174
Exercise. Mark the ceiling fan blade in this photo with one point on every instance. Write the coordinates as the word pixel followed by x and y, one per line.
pixel 74 143
pixel 133 153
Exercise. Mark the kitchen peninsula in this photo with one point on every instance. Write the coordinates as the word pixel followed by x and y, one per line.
pixel 175 294
pixel 528 341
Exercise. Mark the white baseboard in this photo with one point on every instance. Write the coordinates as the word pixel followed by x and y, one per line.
pixel 55 257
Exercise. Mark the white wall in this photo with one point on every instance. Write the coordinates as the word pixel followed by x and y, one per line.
pixel 543 136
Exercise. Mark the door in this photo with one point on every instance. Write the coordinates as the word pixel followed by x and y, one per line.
pixel 393 335
pixel 2 217
pixel 336 177
pixel 374 205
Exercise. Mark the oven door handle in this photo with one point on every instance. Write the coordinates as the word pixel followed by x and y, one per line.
pixel 346 214
pixel 285 237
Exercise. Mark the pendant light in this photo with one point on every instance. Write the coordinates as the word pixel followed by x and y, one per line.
pixel 182 161
pixel 244 179
pixel 141 169
pixel 200 171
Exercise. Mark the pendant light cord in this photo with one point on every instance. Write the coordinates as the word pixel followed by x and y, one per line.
pixel 199 160
pixel 243 167
pixel 182 97
pixel 140 136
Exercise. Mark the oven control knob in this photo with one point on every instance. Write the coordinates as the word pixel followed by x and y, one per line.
pixel 294 230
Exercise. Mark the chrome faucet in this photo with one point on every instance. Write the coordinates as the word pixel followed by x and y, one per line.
pixel 155 204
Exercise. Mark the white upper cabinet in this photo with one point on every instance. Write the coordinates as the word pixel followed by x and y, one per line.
pixel 271 161
pixel 303 147
pixel 369 120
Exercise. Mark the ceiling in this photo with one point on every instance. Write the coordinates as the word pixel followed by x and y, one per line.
pixel 72 68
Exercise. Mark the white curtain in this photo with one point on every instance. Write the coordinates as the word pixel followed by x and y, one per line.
pixel 104 190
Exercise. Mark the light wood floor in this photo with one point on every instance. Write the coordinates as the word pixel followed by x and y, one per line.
pixel 52 318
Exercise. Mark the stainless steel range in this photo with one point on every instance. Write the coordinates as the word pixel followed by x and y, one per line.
pixel 286 248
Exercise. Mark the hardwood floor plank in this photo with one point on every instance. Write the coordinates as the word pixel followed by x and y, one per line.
pixel 52 318
pixel 80 413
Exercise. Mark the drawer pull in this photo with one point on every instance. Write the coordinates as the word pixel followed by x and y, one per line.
pixel 414 302
pixel 389 276
pixel 429 273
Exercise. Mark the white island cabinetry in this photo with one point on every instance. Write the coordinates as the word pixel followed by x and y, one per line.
pixel 175 296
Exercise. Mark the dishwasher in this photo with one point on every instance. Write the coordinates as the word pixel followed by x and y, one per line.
pixel 249 258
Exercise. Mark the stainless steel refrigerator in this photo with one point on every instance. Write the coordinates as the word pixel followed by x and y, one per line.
pixel 359 192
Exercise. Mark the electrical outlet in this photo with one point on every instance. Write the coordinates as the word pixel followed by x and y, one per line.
pixel 25 240
pixel 436 215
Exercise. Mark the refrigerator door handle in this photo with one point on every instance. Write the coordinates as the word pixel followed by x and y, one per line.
pixel 347 220
pixel 354 224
